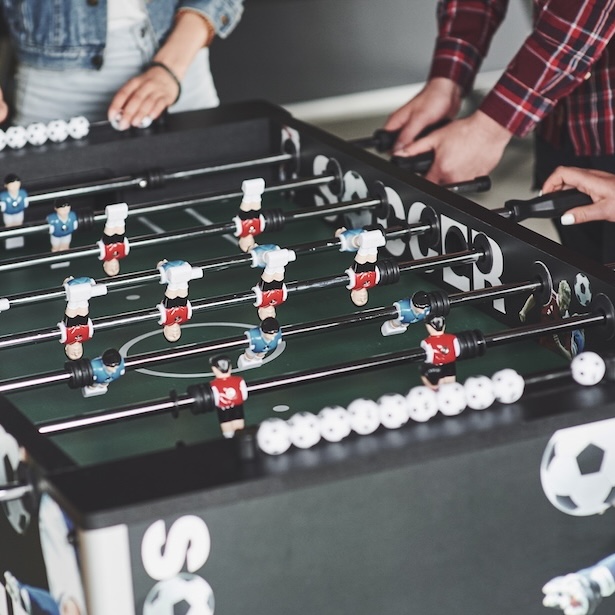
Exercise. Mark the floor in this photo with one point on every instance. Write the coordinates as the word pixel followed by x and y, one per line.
pixel 510 180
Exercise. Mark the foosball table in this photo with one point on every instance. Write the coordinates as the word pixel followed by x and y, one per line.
pixel 352 483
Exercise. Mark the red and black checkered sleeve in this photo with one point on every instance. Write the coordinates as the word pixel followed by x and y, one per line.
pixel 567 39
pixel 465 30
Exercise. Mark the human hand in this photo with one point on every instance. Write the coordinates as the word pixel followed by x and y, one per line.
pixel 439 99
pixel 598 185
pixel 143 98
pixel 572 593
pixel 464 149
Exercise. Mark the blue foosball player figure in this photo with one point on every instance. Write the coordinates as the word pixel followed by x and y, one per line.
pixel 13 203
pixel 261 341
pixel 62 224
pixel 106 369
pixel 409 311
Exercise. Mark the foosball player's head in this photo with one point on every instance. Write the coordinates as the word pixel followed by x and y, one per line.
pixel 112 360
pixel 420 302
pixel 221 366
pixel 62 208
pixel 269 328
pixel 435 325
pixel 73 351
pixel 172 332
pixel 12 183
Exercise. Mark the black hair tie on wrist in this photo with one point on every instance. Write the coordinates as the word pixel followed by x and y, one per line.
pixel 153 64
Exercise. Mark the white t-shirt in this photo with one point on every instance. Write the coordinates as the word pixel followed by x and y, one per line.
pixel 124 13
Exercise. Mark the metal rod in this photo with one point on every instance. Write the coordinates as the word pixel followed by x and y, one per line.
pixel 129 318
pixel 182 234
pixel 156 206
pixel 141 181
pixel 272 384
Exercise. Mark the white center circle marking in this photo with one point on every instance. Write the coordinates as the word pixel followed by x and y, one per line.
pixel 237 325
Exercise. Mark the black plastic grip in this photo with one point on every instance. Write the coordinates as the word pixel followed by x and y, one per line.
pixel 417 164
pixel 550 205
pixel 482 183
pixel 383 140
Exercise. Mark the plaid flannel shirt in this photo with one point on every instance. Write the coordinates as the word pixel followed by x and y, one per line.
pixel 563 73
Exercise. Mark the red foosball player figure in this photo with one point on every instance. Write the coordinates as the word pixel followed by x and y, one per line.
pixel 441 350
pixel 364 273
pixel 175 308
pixel 230 392
pixel 250 222
pixel 271 290
pixel 77 326
pixel 114 245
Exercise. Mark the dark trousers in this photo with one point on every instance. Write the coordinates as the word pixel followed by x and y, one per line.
pixel 593 239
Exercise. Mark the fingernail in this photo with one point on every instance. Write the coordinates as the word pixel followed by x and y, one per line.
pixel 567 219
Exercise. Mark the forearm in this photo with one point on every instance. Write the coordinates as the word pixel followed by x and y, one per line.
pixel 465 30
pixel 224 15
pixel 191 33
pixel 567 39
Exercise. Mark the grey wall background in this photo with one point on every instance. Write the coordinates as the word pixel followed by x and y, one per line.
pixel 290 51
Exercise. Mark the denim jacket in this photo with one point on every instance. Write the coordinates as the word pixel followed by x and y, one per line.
pixel 63 34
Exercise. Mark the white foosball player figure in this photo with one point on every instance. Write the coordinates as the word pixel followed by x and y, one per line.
pixel 271 290
pixel 175 308
pixel 114 245
pixel 250 222
pixel 77 326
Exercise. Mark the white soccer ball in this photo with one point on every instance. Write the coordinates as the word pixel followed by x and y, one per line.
pixel 334 423
pixel 19 511
pixel 422 403
pixel 508 386
pixel 304 429
pixel 2 140
pixel 582 289
pixel 273 436
pixel 16 137
pixel 588 368
pixel 78 127
pixel 451 398
pixel 479 392
pixel 578 468
pixel 393 410
pixel 36 133
pixel 364 416
pixel 57 131
pixel 185 593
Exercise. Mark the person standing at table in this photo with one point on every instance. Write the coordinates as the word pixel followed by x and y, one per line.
pixel 560 82
pixel 122 60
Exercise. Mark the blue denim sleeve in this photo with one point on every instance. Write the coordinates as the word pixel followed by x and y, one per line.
pixel 223 14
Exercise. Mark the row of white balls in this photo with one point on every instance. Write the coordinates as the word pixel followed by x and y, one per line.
pixel 363 416
pixel 39 133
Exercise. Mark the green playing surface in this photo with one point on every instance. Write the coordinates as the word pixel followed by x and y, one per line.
pixel 304 352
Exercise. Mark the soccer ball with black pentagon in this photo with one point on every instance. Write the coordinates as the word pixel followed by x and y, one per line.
pixel 578 469
pixel 184 594
pixel 582 289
